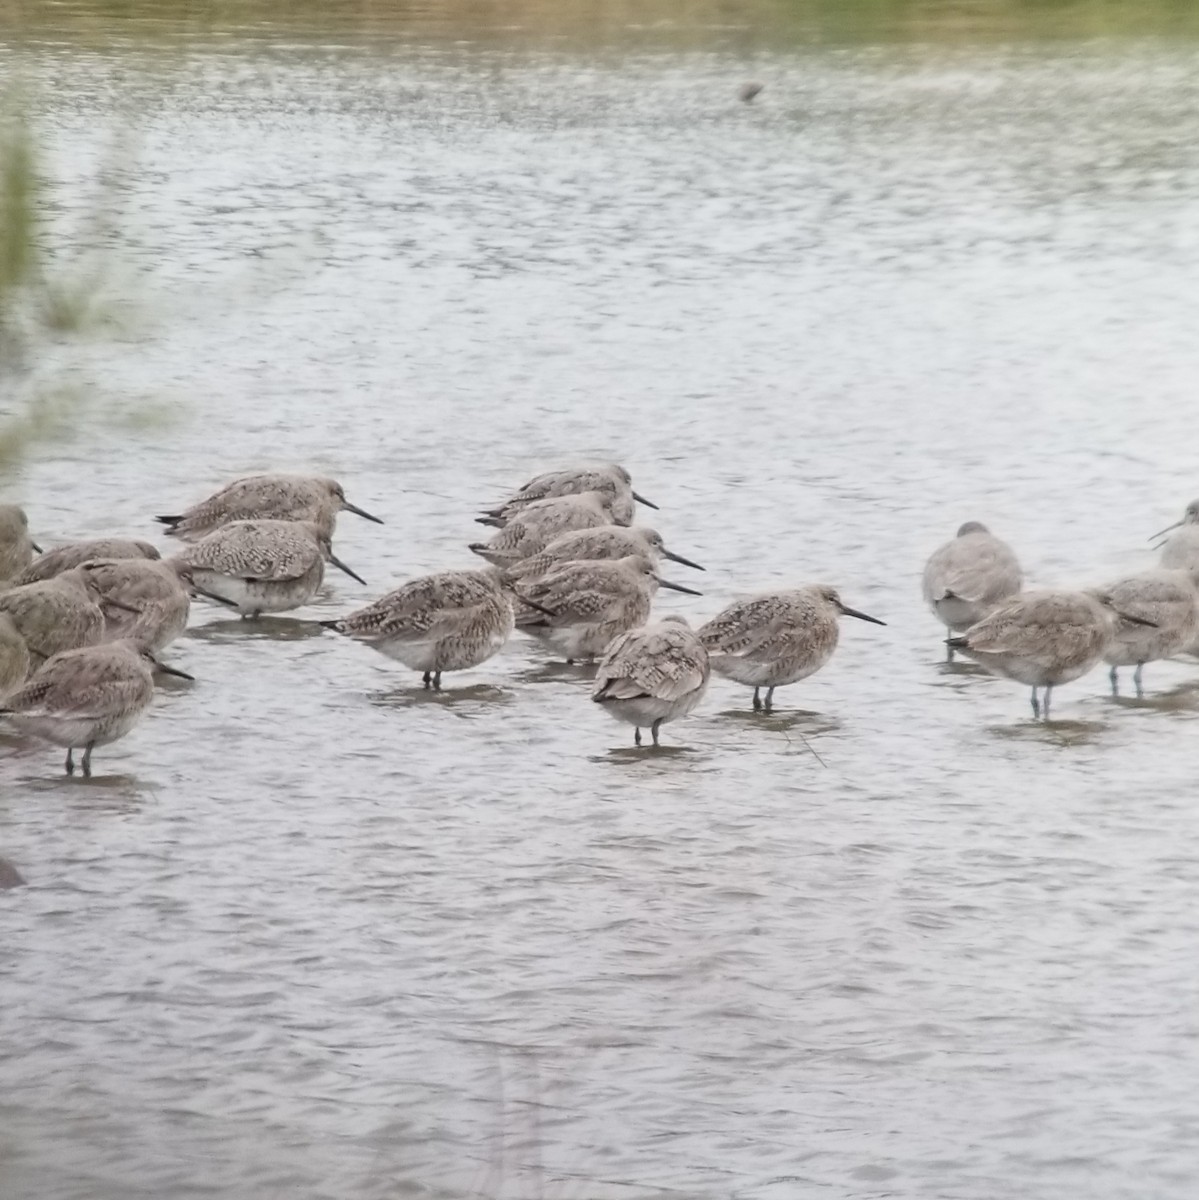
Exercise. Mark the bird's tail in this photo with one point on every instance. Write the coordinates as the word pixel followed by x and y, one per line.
pixel 957 643
pixel 335 625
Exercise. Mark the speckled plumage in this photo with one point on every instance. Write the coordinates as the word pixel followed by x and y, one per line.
pixel 776 638
pixel 265 497
pixel 590 545
pixel 589 604
pixel 85 698
pixel 56 614
pixel 16 546
pixel 968 576
pixel 1168 599
pixel 449 621
pixel 258 566
pixel 652 675
pixel 15 663
pixel 154 589
pixel 531 530
pixel 609 479
pixel 74 554
pixel 1042 639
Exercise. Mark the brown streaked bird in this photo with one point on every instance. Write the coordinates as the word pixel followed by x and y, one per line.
pixel 1168 601
pixel 266 497
pixel 449 621
pixel 531 530
pixel 1180 551
pixel 16 546
pixel 967 577
pixel 88 697
pixel 15 663
pixel 589 545
pixel 652 675
pixel 260 567
pixel 75 554
pixel 581 607
pixel 56 614
pixel 142 600
pixel 1044 638
pixel 776 638
pixel 611 480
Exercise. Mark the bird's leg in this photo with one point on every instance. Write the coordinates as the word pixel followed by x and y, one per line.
pixel 427 678
pixel 70 763
pixel 570 662
pixel 87 760
pixel 1114 676
pixel 437 681
pixel 948 652
pixel 757 702
pixel 768 703
pixel 654 730
pixel 1136 678
pixel 1036 708
pixel 637 736
pixel 1048 693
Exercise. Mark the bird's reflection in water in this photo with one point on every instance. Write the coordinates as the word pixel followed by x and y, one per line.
pixel 477 696
pixel 275 629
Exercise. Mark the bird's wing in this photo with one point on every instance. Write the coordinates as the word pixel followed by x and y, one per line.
pixel 741 627
pixel 246 551
pixel 667 665
pixel 74 684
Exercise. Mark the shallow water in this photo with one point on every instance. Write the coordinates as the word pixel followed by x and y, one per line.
pixel 313 932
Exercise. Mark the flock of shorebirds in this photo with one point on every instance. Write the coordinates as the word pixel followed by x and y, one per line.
pixel 81 626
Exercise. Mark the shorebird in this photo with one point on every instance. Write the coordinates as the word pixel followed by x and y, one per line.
pixel 88 697
pixel 967 577
pixel 75 554
pixel 776 638
pixel 16 547
pixel 260 567
pixel 153 599
pixel 1167 605
pixel 609 479
pixel 531 530
pixel 1044 639
pixel 652 675
pixel 588 545
pixel 1180 551
pixel 266 497
pixel 14 657
pixel 583 606
pixel 56 614
pixel 445 622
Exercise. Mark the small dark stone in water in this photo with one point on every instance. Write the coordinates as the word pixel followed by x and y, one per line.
pixel 748 91
pixel 10 877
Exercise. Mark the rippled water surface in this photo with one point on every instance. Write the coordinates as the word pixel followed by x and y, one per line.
pixel 312 932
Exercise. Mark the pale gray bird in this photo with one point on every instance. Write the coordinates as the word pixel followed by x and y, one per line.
pixel 530 531
pixel 583 606
pixel 777 638
pixel 652 675
pixel 75 554
pixel 88 697
pixel 450 621
pixel 1180 551
pixel 603 542
pixel 1167 607
pixel 266 497
pixel 15 663
pixel 967 577
pixel 16 546
pixel 260 567
pixel 153 599
pixel 1044 638
pixel 609 479
pixel 56 614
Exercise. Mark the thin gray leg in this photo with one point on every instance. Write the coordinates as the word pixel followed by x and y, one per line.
pixel 1036 708
pixel 70 763
pixel 637 736
pixel 948 652
pixel 768 703
pixel 757 702
pixel 427 678
pixel 1136 678
pixel 437 681
pixel 1048 693
pixel 1114 676
pixel 654 730
pixel 87 760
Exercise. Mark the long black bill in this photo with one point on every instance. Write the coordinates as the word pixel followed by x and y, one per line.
pixel 37 548
pixel 1168 529
pixel 642 500
pixel 549 612
pixel 680 559
pixel 678 587
pixel 161 666
pixel 342 567
pixel 360 512
pixel 861 616
pixel 1134 620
